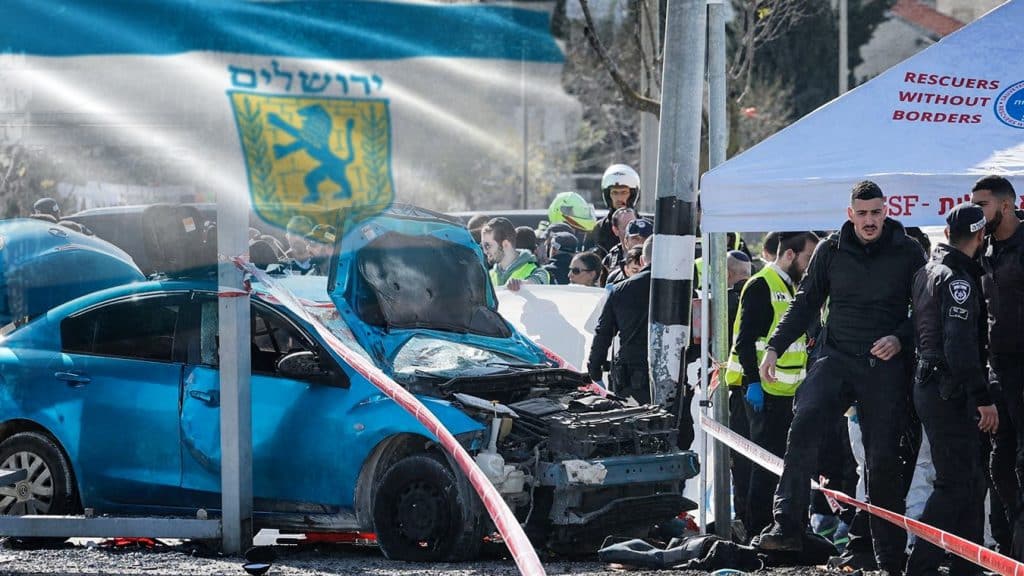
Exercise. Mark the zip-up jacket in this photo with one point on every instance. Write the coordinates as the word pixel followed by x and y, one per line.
pixel 867 286
pixel 949 316
pixel 1003 285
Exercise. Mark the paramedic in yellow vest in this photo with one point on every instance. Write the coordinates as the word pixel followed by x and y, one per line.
pixel 763 301
pixel 509 267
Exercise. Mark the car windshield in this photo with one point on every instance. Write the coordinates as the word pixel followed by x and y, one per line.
pixel 423 356
pixel 328 315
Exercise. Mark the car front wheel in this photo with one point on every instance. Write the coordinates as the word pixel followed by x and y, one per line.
pixel 49 487
pixel 421 515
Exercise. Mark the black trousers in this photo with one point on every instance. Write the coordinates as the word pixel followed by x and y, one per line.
pixel 739 466
pixel 880 388
pixel 768 429
pixel 957 502
pixel 630 378
pixel 1007 460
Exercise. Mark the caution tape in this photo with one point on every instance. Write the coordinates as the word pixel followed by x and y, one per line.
pixel 504 520
pixel 951 543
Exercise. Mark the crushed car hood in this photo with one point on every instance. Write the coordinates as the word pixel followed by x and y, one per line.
pixel 411 273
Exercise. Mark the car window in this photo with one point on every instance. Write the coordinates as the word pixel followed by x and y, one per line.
pixel 273 337
pixel 140 328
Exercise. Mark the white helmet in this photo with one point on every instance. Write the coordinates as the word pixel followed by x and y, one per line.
pixel 620 175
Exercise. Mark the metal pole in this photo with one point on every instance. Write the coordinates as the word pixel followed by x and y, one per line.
pixel 235 369
pixel 705 352
pixel 676 208
pixel 715 260
pixel 526 128
pixel 649 122
pixel 844 64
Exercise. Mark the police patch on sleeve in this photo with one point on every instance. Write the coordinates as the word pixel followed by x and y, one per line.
pixel 960 290
pixel 957 312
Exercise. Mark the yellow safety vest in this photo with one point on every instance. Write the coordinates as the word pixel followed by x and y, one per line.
pixel 791 368
pixel 521 273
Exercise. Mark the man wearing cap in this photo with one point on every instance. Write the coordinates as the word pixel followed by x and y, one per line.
pixel 561 248
pixel 1002 258
pixel 46 209
pixel 638 231
pixel 863 274
pixel 951 387
pixel 766 407
pixel 625 313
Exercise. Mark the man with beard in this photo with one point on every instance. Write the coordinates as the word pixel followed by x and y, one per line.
pixel 865 274
pixel 510 267
pixel 616 258
pixel 1003 286
pixel 951 388
pixel 620 187
pixel 767 406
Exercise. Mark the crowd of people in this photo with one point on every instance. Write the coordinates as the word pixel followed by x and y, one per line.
pixel 862 355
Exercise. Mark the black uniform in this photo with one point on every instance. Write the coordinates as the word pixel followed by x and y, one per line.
pixel 1003 285
pixel 558 267
pixel 949 384
pixel 625 313
pixel 868 289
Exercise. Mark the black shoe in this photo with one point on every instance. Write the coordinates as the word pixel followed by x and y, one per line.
pixel 853 561
pixel 775 539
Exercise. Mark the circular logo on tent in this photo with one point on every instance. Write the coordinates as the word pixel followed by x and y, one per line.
pixel 1010 105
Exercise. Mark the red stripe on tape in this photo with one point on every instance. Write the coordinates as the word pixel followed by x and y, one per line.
pixel 952 543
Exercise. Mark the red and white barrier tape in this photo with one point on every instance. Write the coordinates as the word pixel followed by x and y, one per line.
pixel 965 549
pixel 508 526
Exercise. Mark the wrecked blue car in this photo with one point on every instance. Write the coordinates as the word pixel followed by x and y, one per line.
pixel 111 401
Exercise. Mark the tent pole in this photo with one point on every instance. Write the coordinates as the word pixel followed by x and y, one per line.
pixel 676 207
pixel 705 354
pixel 715 261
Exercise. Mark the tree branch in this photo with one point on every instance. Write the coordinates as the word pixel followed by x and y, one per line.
pixel 631 96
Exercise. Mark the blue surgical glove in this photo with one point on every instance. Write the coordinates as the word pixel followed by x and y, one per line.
pixel 755 396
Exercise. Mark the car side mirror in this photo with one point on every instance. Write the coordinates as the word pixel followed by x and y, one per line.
pixel 306 366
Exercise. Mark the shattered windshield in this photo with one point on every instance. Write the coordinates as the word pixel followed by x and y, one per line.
pixel 431 357
pixel 328 315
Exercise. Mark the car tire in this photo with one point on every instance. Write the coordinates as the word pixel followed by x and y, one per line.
pixel 49 488
pixel 420 514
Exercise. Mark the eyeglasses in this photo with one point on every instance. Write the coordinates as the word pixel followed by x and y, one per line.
pixel 579 270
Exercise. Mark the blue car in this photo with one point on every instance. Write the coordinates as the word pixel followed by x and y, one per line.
pixel 111 401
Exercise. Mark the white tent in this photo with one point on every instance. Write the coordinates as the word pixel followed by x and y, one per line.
pixel 924 130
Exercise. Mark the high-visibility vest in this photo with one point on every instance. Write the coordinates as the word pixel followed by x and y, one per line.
pixel 791 368
pixel 522 272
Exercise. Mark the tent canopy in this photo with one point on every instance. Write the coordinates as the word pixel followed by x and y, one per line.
pixel 925 131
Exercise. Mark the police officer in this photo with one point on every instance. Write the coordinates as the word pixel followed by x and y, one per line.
pixel 625 313
pixel 865 273
pixel 951 387
pixel 1003 285
pixel 769 406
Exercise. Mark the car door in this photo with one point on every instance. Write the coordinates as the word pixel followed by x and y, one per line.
pixel 122 363
pixel 294 422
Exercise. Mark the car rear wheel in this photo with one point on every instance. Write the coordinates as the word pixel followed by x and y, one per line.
pixel 49 488
pixel 421 515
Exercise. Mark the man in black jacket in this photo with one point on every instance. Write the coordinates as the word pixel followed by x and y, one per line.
pixel 1003 285
pixel 951 387
pixel 625 313
pixel 865 273
pixel 620 188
